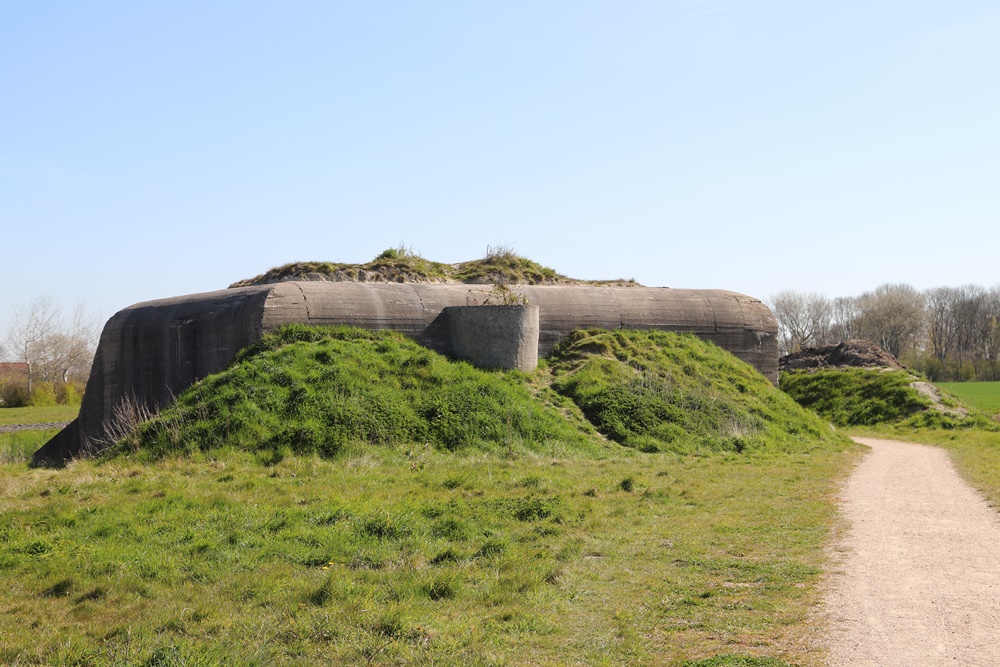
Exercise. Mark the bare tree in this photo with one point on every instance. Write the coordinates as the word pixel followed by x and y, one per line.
pixel 942 328
pixel 954 331
pixel 31 326
pixel 53 348
pixel 991 338
pixel 969 311
pixel 846 318
pixel 803 319
pixel 892 316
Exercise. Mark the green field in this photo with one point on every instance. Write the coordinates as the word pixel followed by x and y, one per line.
pixel 983 396
pixel 55 413
pixel 635 502
pixel 416 557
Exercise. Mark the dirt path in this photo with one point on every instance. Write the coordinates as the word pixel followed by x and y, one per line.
pixel 13 428
pixel 918 579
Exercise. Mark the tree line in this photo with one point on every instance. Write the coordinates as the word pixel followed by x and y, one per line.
pixel 56 350
pixel 947 333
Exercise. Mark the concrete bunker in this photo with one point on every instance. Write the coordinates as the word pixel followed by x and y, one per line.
pixel 150 352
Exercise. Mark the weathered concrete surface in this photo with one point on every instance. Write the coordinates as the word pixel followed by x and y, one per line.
pixel 494 336
pixel 154 350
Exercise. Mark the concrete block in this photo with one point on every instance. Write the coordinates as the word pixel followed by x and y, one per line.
pixel 494 336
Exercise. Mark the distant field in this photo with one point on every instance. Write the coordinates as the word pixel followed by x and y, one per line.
pixel 55 413
pixel 983 396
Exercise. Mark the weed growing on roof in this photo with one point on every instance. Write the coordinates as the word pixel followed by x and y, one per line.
pixel 502 265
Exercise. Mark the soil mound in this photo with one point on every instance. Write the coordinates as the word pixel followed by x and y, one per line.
pixel 850 353
pixel 401 265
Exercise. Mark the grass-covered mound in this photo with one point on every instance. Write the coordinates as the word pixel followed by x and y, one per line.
pixel 875 396
pixel 217 552
pixel 318 390
pixel 657 390
pixel 402 265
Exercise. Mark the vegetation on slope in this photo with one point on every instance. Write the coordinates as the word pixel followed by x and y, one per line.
pixel 657 390
pixel 402 265
pixel 871 396
pixel 263 534
pixel 318 390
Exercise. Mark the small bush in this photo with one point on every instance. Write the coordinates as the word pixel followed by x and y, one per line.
pixel 43 395
pixel 70 394
pixel 14 393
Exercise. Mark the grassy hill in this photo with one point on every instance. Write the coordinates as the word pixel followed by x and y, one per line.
pixel 313 390
pixel 879 396
pixel 347 497
pixel 662 391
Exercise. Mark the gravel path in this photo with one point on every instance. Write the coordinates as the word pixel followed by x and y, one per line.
pixel 10 428
pixel 918 575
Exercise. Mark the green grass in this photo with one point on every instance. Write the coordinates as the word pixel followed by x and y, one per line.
pixel 499 265
pixel 655 391
pixel 983 396
pixel 311 390
pixel 401 557
pixel 869 397
pixel 346 497
pixel 38 415
pixel 17 447
pixel 855 396
pixel 505 266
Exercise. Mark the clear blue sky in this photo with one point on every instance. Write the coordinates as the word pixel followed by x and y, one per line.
pixel 151 149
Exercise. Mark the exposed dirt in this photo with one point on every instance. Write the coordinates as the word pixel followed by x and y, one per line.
pixel 850 353
pixel 917 580
pixel 931 392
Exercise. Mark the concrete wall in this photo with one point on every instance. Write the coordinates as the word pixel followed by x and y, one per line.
pixel 494 336
pixel 154 350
